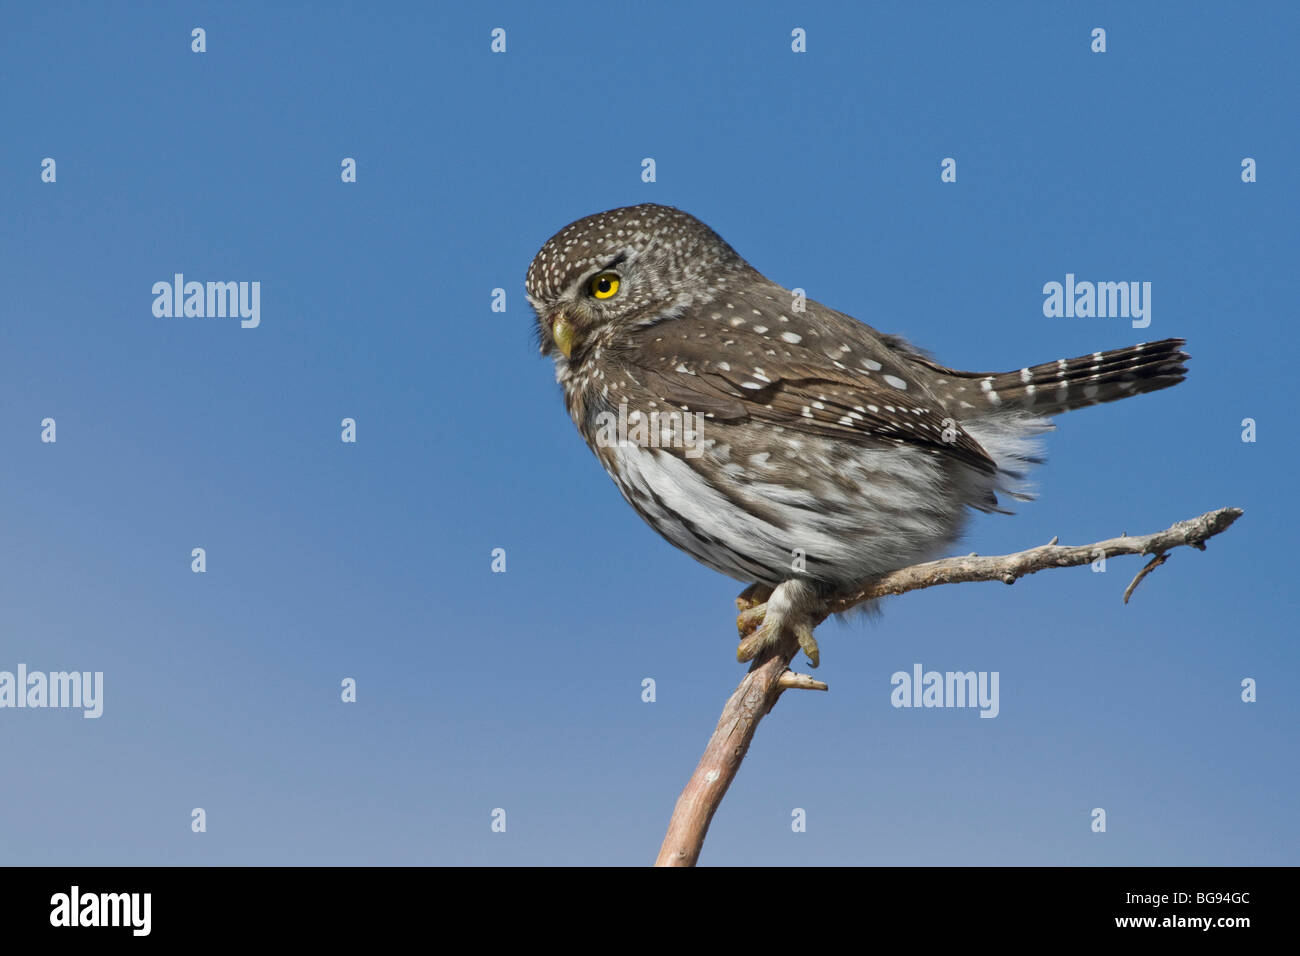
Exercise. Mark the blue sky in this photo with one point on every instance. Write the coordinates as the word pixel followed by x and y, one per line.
pixel 522 690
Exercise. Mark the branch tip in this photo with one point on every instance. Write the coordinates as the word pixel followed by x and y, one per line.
pixel 790 680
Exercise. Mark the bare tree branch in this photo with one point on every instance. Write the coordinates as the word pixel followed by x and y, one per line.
pixel 1008 568
pixel 751 702
pixel 769 674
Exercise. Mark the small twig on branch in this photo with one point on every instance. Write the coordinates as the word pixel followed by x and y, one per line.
pixel 1150 566
pixel 789 680
pixel 770 675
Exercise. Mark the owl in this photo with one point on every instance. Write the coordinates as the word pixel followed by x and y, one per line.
pixel 774 439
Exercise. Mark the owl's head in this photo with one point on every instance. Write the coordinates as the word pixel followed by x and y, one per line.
pixel 622 269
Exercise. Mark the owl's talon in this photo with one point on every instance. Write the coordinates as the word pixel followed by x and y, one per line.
pixel 803 633
pixel 753 596
pixel 788 608
pixel 748 648
pixel 752 604
pixel 747 622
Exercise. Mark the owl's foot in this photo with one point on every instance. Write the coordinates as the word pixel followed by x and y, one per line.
pixel 791 608
pixel 752 596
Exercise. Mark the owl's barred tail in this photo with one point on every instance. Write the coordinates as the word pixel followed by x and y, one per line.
pixel 1066 384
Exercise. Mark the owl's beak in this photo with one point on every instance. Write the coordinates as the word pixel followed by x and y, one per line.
pixel 563 334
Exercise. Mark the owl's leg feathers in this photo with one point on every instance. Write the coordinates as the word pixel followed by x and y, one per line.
pixel 794 607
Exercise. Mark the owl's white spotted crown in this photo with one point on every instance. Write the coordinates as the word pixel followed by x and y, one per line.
pixel 685 247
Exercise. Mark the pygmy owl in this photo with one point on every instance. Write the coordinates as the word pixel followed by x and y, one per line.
pixel 773 438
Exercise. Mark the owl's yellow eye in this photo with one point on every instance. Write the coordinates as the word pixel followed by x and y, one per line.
pixel 605 285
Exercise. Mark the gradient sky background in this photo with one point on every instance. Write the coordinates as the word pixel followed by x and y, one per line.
pixel 523 690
